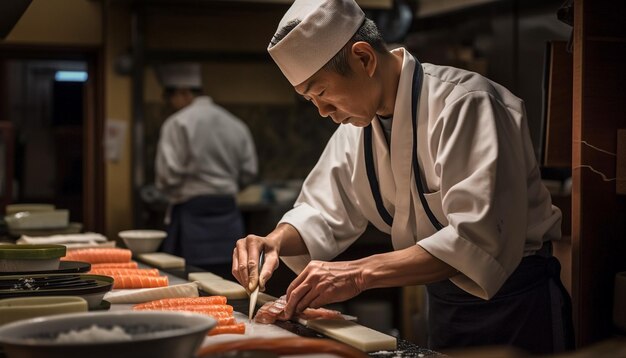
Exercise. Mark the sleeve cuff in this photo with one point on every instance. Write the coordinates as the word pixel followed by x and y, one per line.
pixel 481 274
pixel 315 233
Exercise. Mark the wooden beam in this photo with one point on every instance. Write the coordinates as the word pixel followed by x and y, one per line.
pixel 598 214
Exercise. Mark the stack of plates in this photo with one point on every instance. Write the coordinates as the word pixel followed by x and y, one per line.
pixel 64 267
pixel 72 228
pixel 90 287
pixel 39 220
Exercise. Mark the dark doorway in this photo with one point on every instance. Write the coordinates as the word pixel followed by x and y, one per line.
pixel 53 103
pixel 47 116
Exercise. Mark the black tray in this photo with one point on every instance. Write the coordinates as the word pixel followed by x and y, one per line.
pixel 64 267
pixel 103 284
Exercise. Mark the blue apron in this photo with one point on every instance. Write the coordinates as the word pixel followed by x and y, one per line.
pixel 204 230
pixel 532 310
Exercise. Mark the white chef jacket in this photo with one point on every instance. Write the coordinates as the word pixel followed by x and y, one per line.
pixel 203 150
pixel 481 179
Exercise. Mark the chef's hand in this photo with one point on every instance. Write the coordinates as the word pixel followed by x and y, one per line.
pixel 246 261
pixel 322 283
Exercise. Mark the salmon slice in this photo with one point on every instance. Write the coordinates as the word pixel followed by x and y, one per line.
pixel 122 271
pixel 214 314
pixel 275 311
pixel 228 309
pixel 137 281
pixel 222 317
pixel 108 265
pixel 99 255
pixel 183 301
pixel 225 321
pixel 237 328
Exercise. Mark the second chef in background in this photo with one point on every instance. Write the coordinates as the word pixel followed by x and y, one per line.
pixel 205 156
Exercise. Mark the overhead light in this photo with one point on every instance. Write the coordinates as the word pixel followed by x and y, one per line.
pixel 70 76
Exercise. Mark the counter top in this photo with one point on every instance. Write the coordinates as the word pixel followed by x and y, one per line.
pixel 178 276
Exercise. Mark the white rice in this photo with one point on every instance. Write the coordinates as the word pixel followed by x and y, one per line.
pixel 94 334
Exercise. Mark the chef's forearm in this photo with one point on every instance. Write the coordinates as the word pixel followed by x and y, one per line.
pixel 410 266
pixel 288 240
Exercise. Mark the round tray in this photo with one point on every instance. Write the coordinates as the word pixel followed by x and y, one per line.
pixel 64 267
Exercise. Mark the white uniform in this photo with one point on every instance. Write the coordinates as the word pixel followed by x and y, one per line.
pixel 477 160
pixel 203 154
pixel 203 150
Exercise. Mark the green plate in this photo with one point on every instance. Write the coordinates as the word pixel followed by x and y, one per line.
pixel 31 252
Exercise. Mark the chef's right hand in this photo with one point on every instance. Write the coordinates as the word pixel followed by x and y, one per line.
pixel 246 261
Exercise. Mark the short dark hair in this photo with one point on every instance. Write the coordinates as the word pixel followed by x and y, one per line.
pixel 367 32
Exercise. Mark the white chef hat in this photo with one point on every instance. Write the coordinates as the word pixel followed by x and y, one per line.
pixel 325 27
pixel 180 75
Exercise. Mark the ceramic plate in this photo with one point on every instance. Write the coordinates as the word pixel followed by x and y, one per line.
pixel 64 267
pixel 97 286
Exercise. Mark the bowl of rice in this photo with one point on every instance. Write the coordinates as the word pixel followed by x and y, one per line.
pixel 107 334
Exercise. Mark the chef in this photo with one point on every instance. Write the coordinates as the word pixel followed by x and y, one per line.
pixel 438 157
pixel 204 156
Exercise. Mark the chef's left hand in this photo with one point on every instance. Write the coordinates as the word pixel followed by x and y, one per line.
pixel 321 283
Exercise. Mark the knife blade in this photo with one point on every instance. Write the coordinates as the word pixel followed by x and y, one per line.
pixel 255 294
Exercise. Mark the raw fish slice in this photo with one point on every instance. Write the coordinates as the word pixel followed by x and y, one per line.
pixel 184 301
pixel 191 308
pixel 102 255
pixel 137 281
pixel 237 328
pixel 275 311
pixel 124 271
pixel 110 265
pixel 310 314
pixel 216 314
pixel 222 317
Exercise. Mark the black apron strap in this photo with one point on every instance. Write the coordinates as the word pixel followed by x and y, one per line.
pixel 417 175
pixel 369 158
pixel 371 176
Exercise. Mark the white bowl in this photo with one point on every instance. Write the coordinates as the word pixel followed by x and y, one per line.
pixel 147 334
pixel 142 241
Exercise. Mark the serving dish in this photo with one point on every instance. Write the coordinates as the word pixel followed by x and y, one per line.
pixel 72 228
pixel 142 241
pixel 107 334
pixel 14 309
pixel 64 267
pixel 58 218
pixel 90 287
pixel 17 208
pixel 22 258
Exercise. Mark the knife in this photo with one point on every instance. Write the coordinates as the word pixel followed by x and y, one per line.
pixel 255 294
